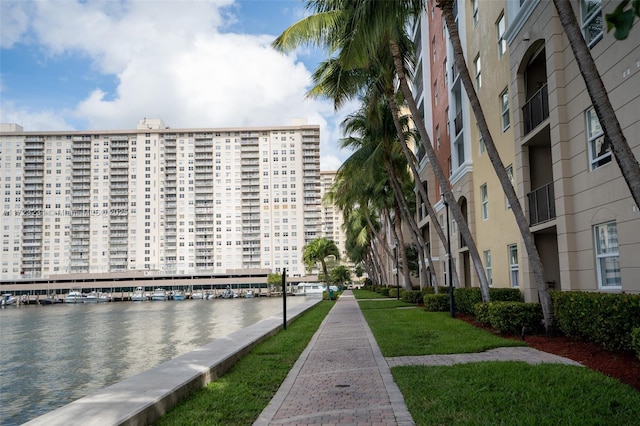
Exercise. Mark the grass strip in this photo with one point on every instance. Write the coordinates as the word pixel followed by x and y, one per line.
pixel 240 395
pixel 367 294
pixel 403 329
pixel 515 393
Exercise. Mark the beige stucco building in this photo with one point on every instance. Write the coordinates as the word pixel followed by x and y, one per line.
pixel 585 223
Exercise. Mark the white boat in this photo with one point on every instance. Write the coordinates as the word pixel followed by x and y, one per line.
pixel 8 299
pixel 197 295
pixel 228 294
pixel 178 295
pixel 210 296
pixel 104 297
pixel 138 295
pixel 91 297
pixel 249 294
pixel 159 294
pixel 74 296
pixel 309 289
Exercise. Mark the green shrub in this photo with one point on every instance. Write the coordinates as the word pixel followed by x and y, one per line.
pixel 505 295
pixel 510 317
pixel 383 291
pixel 393 292
pixel 635 340
pixel 429 290
pixel 436 302
pixel 604 318
pixel 481 311
pixel 413 296
pixel 466 299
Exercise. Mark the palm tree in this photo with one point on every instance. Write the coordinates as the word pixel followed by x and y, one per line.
pixel 340 275
pixel 492 151
pixel 600 99
pixel 359 31
pixel 319 250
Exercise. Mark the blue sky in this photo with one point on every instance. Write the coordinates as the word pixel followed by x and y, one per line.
pixel 104 64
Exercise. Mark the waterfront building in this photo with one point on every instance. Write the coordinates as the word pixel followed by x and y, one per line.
pixel 585 223
pixel 156 199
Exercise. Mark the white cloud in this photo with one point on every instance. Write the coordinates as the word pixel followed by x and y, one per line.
pixel 174 61
pixel 14 22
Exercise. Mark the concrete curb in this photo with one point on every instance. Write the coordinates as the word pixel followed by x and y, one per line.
pixel 142 399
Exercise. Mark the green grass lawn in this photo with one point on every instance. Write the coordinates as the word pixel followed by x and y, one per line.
pixel 402 329
pixel 240 395
pixel 367 294
pixel 490 393
pixel 515 393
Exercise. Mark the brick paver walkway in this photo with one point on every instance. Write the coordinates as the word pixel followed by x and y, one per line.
pixel 342 378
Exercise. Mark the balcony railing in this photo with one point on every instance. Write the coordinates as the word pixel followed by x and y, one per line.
pixel 536 110
pixel 457 122
pixel 542 205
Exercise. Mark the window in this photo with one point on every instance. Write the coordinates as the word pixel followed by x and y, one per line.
pixel 475 12
pixel 591 15
pixel 504 108
pixel 487 266
pixel 478 67
pixel 510 174
pixel 599 145
pixel 485 201
pixel 607 256
pixel 481 147
pixel 513 265
pixel 502 43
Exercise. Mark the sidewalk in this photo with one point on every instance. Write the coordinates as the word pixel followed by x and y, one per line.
pixel 342 378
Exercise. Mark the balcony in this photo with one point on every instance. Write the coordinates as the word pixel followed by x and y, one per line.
pixel 536 110
pixel 542 205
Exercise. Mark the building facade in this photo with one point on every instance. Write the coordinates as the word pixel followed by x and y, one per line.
pixel 156 199
pixel 585 223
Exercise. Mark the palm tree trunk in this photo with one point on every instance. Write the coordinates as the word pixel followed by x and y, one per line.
pixel 410 219
pixel 492 151
pixel 598 93
pixel 456 211
pixel 423 193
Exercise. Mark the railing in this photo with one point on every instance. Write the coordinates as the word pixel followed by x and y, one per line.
pixel 457 122
pixel 542 205
pixel 536 110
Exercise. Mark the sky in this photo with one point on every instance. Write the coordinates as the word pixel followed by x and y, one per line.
pixel 105 64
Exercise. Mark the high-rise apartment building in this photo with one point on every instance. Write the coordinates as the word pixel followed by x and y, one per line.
pixel 168 201
pixel 332 219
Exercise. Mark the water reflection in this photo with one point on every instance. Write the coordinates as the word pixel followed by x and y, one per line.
pixel 52 355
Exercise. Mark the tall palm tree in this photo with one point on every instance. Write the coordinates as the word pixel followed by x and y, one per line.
pixel 319 250
pixel 600 99
pixel 492 151
pixel 358 31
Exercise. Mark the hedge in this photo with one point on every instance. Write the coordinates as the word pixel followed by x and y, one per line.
pixel 466 298
pixel 604 318
pixel 413 296
pixel 511 317
pixel 436 302
pixel 635 340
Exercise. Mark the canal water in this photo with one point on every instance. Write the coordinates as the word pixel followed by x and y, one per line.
pixel 53 355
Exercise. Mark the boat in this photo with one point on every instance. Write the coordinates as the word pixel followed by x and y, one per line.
pixel 178 295
pixel 74 296
pixel 138 295
pixel 198 295
pixel 249 294
pixel 309 289
pixel 210 296
pixel 228 294
pixel 159 294
pixel 104 297
pixel 91 297
pixel 8 299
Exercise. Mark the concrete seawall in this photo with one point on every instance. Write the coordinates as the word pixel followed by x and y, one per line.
pixel 143 398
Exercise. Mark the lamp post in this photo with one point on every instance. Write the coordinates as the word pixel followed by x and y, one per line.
pixel 451 301
pixel 397 271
